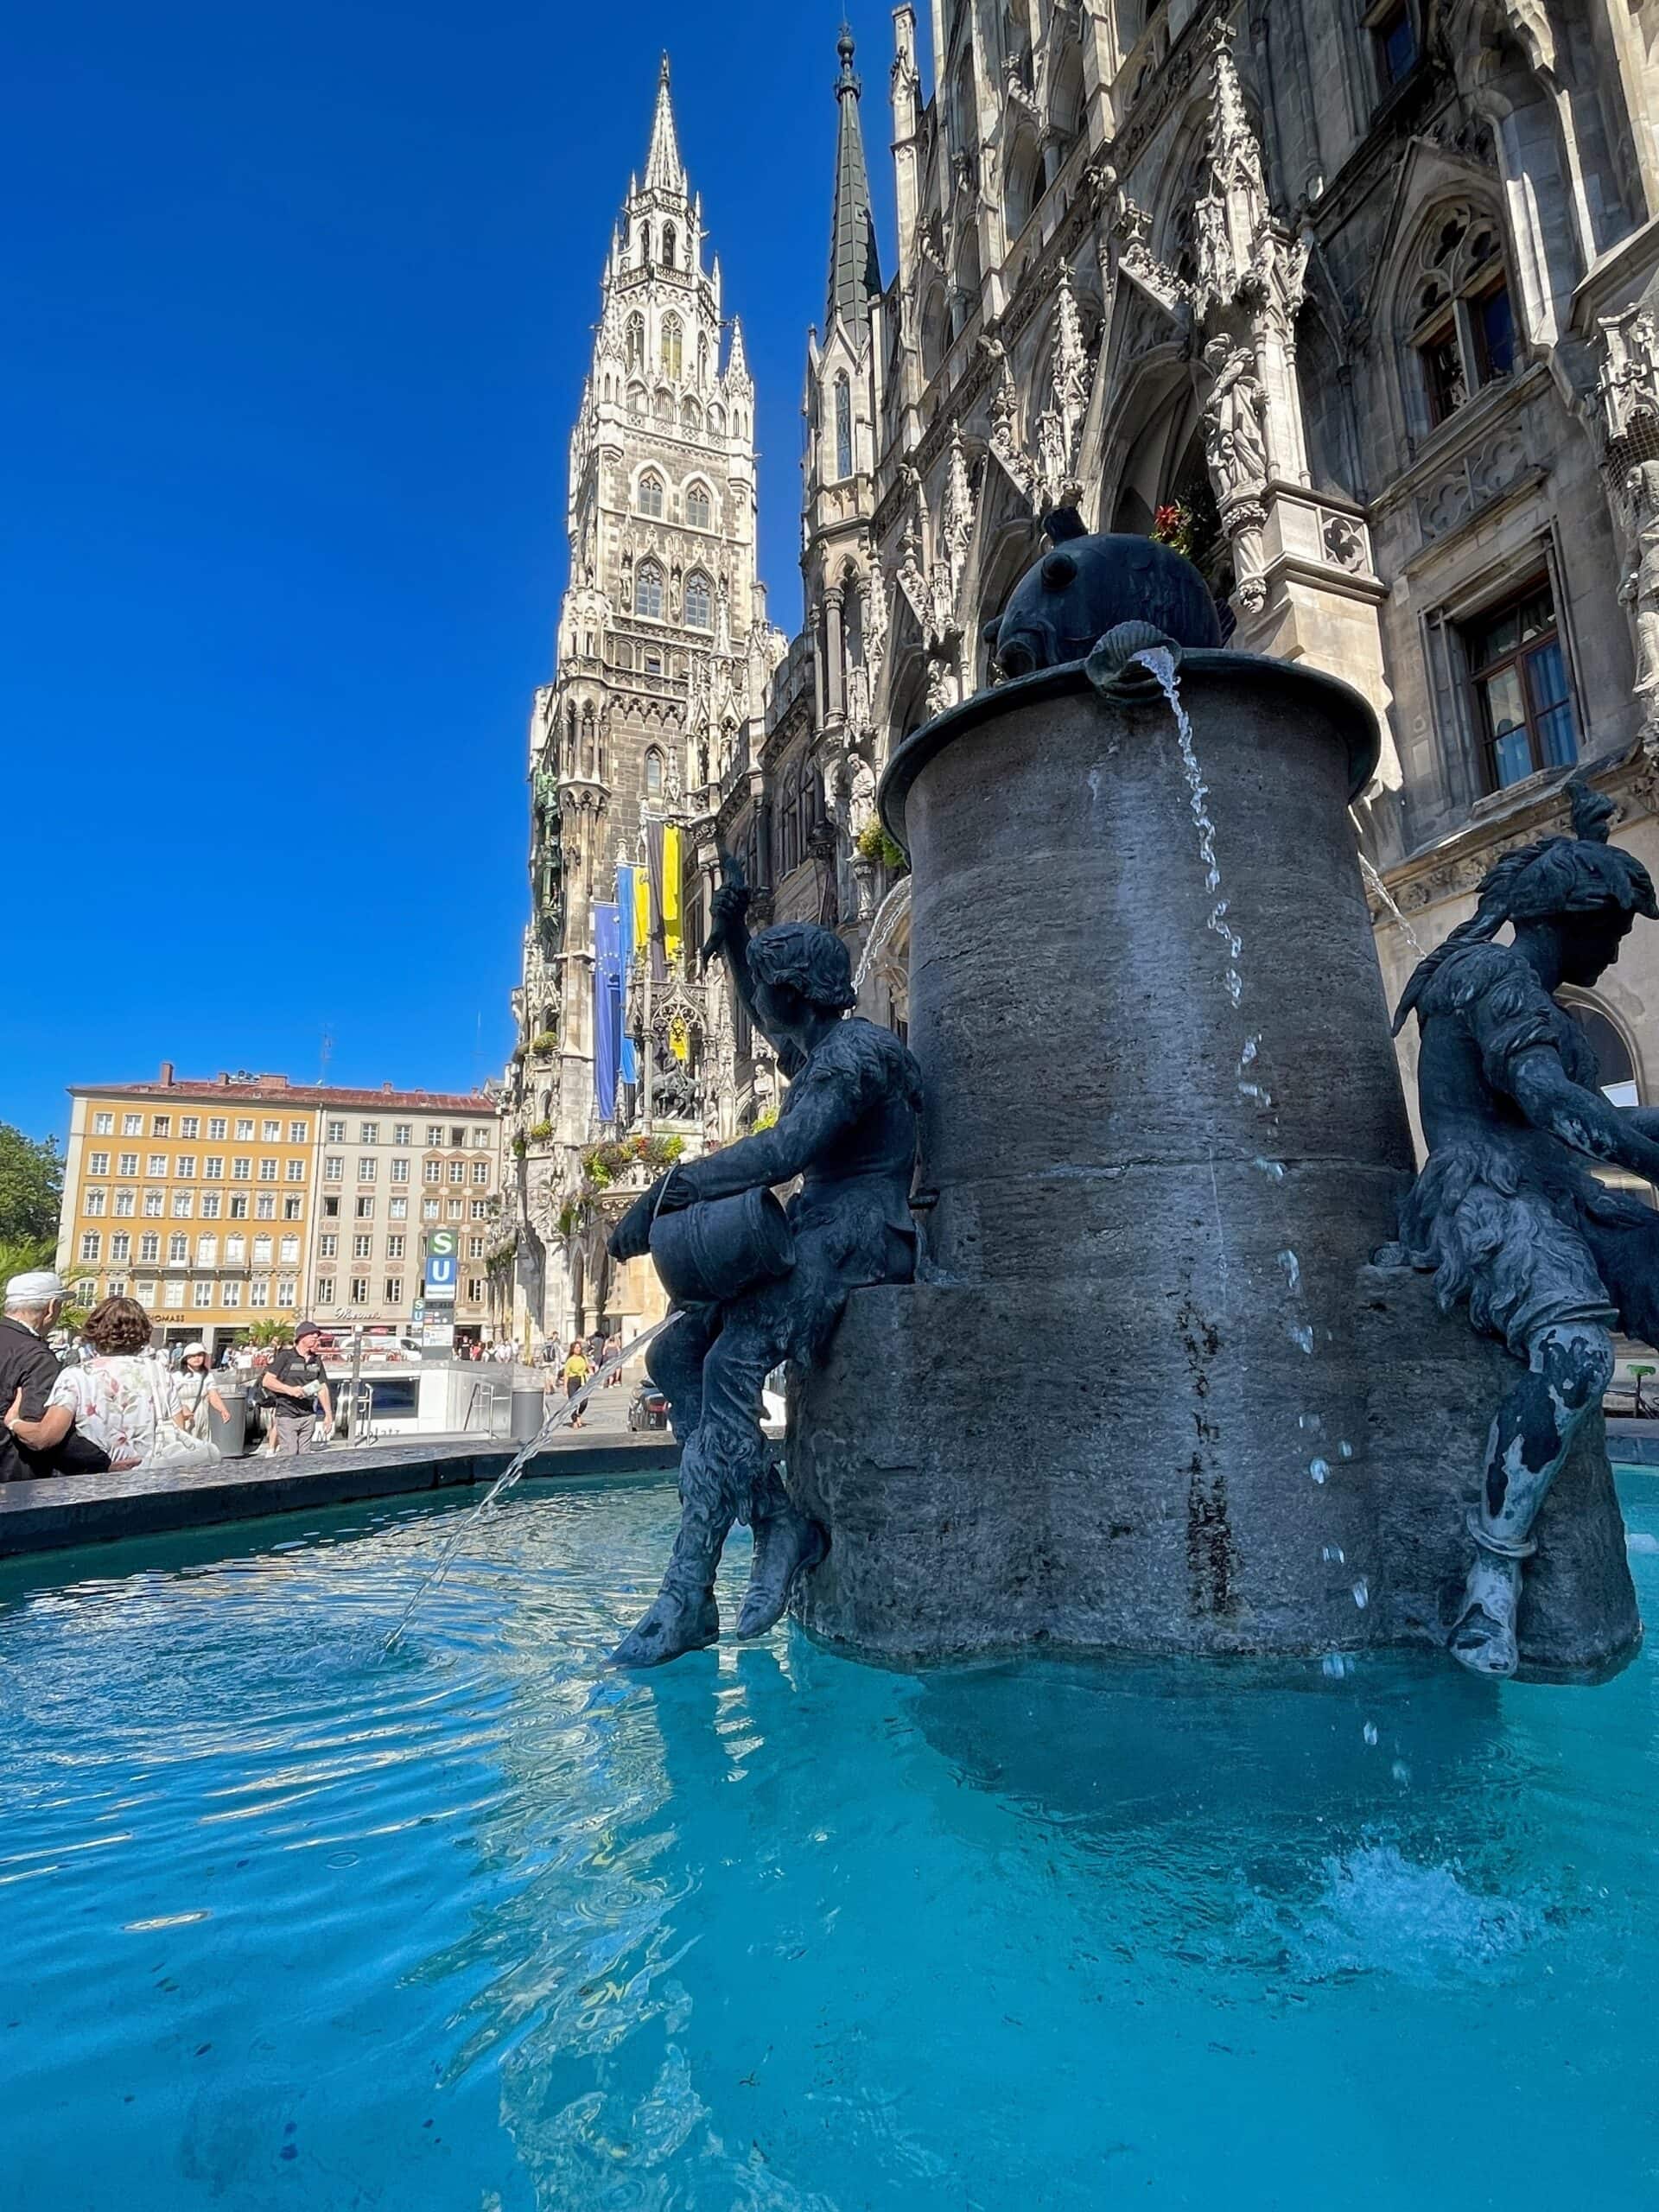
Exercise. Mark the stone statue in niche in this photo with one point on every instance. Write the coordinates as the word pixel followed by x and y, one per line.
pixel 1640 590
pixel 1235 442
pixel 756 1289
pixel 1506 1211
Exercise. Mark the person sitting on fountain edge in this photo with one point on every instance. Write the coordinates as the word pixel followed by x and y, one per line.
pixel 847 1129
pixel 1549 1259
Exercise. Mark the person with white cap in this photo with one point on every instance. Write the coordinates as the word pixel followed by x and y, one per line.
pixel 197 1396
pixel 28 1372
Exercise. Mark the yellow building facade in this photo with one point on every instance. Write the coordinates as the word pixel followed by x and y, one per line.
pixel 195 1199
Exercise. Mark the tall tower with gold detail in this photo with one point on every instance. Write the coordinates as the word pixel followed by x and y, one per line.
pixel 651 683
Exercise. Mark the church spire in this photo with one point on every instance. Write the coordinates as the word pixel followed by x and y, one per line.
pixel 665 171
pixel 854 265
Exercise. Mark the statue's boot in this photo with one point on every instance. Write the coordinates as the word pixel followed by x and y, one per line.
pixel 1484 1638
pixel 787 1545
pixel 681 1619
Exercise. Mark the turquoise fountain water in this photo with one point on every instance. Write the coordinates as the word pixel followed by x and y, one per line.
pixel 287 1922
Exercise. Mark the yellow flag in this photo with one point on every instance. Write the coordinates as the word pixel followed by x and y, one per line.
pixel 641 908
pixel 671 891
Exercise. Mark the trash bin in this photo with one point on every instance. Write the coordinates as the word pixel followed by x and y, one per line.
pixel 527 1414
pixel 231 1433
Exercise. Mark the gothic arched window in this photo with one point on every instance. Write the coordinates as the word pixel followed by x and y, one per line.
pixel 670 246
pixel 843 426
pixel 648 591
pixel 1460 321
pixel 651 495
pixel 673 346
pixel 699 508
pixel 637 402
pixel 792 822
pixel 699 602
pixel 636 342
pixel 654 773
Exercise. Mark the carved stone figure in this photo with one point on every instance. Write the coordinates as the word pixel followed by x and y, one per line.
pixel 1506 1210
pixel 847 1129
pixel 1235 443
pixel 1640 590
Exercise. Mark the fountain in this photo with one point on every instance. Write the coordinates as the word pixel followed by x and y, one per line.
pixel 1147 1391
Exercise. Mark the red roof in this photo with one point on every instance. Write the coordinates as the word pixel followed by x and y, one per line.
pixel 277 1089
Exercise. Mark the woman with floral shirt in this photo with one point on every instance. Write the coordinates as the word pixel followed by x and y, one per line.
pixel 117 1398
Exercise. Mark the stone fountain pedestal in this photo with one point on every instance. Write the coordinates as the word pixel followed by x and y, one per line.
pixel 1148 1394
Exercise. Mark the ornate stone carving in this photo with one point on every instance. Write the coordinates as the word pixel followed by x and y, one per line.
pixel 1628 381
pixel 1477 477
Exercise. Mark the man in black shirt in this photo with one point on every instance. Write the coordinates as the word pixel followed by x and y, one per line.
pixel 295 1386
pixel 28 1371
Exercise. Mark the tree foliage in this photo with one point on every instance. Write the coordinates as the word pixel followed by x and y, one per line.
pixel 31 1188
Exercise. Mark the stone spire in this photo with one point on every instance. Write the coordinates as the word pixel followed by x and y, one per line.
pixel 854 264
pixel 665 171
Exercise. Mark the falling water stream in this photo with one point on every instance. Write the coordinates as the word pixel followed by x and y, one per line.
pixel 1252 1088
pixel 1373 876
pixel 562 1414
pixel 885 921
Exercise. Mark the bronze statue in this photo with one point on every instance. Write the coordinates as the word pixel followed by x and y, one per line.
pixel 1548 1258
pixel 847 1129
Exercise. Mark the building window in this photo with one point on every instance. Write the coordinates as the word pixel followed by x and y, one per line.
pixel 334 1167
pixel 201 1293
pixel 236 1251
pixel 238 1207
pixel 290 1251
pixel 272 1131
pixel 399 1172
pixel 262 1251
pixel 186 1169
pixel 157 1164
pixel 699 602
pixel 394 1248
pixel 457 1209
pixel 97 1163
pixel 245 1129
pixel 217 1126
pixel 161 1126
pixel 103 1125
pixel 1523 699
pixel 673 348
pixel 365 1209
pixel 92 1244
pixel 123 1203
pixel 457 1171
pixel 1394 38
pixel 394 1290
pixel 336 1133
pixel 367 1170
pixel 132 1125
pixel 368 1133
pixel 267 1171
pixel 397 1210
pixel 327 1247
pixel 121 1245
pixel 127 1164
pixel 264 1207
pixel 648 592
pixel 359 1290
pixel 651 495
pixel 295 1171
pixel 207 1251
pixel 183 1204
pixel 325 1290
pixel 474 1290
pixel 699 508
pixel 95 1200
pixel 403 1133
pixel 474 1247
pixel 213 1167
pixel 154 1205
pixel 1462 328
pixel 635 341
pixel 434 1132
pixel 210 1203
pixel 843 426
pixel 173 1296
pixel 259 1292
pixel 480 1210
pixel 285 1291
pixel 149 1246
pixel 178 1250
pixel 362 1248
pixel 241 1171
pixel 145 1294
pixel 429 1209
pixel 190 1126
pixel 331 1209
pixel 653 773
pixel 481 1173
pixel 230 1296
pixel 293 1209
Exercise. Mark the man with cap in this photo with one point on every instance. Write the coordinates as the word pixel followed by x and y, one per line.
pixel 28 1371
pixel 296 1386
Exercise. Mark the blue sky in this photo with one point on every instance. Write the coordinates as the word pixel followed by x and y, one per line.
pixel 299 300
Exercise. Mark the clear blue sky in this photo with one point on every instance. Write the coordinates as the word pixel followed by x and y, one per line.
pixel 299 300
